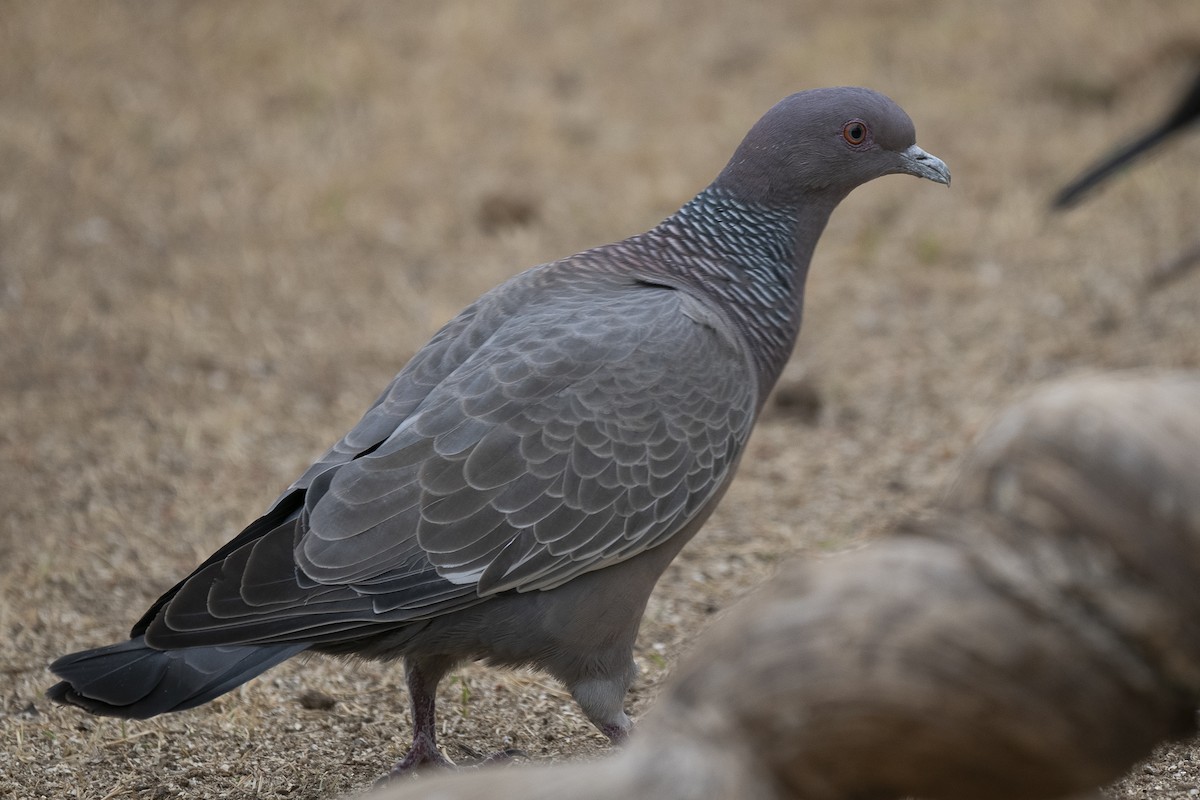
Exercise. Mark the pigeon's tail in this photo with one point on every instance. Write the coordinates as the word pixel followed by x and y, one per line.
pixel 133 680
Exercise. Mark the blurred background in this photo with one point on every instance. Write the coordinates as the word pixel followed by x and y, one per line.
pixel 225 226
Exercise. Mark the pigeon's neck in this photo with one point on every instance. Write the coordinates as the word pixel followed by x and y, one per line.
pixel 753 260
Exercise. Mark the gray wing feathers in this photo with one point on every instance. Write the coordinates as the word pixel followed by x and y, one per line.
pixel 542 456
pixel 548 431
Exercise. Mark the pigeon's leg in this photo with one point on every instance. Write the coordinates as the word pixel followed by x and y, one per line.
pixel 602 698
pixel 423 676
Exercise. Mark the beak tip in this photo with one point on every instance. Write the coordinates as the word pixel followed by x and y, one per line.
pixel 926 165
pixel 941 176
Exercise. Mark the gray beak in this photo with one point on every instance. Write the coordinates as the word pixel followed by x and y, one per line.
pixel 916 161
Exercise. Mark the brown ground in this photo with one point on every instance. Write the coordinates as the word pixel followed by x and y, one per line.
pixel 223 228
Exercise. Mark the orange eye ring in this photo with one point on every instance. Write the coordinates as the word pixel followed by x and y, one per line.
pixel 855 132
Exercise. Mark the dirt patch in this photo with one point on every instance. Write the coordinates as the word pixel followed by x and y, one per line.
pixel 224 227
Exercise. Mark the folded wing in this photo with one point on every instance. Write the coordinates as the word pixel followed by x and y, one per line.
pixel 578 433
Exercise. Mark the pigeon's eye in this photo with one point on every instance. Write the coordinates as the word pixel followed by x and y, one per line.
pixel 855 132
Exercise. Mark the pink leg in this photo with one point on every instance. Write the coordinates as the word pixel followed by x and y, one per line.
pixel 422 682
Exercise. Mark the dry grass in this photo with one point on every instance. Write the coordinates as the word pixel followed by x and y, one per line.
pixel 223 227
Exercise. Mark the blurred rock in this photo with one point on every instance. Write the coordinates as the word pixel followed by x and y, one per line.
pixel 315 700
pixel 502 210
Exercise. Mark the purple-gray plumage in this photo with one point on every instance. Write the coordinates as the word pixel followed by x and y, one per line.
pixel 518 489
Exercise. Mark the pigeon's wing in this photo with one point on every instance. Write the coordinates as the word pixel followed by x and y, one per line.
pixel 582 432
pixel 440 357
pixel 574 439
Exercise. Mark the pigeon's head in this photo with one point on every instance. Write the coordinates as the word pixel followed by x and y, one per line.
pixel 826 142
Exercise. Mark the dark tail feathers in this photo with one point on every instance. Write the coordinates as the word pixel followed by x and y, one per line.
pixel 132 680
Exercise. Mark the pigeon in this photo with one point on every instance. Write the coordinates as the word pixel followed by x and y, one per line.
pixel 1185 113
pixel 515 493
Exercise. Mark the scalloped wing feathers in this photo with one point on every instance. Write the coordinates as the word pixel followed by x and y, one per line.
pixel 556 427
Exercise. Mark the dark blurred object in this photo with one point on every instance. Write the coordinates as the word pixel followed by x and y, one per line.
pixel 798 396
pixel 316 701
pixel 1185 113
pixel 503 210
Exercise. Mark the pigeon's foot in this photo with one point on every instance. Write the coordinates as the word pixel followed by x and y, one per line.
pixel 479 759
pixel 421 756
pixel 421 759
pixel 616 733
